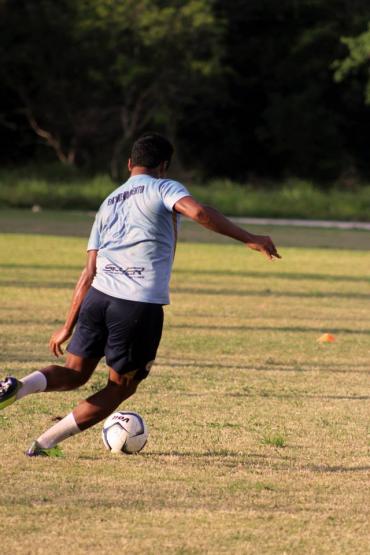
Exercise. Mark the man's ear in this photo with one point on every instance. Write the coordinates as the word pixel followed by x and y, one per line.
pixel 129 165
pixel 163 167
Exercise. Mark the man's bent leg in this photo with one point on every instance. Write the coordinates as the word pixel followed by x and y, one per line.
pixel 53 378
pixel 104 402
pixel 91 411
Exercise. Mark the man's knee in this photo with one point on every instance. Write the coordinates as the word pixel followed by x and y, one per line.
pixel 123 386
pixel 80 369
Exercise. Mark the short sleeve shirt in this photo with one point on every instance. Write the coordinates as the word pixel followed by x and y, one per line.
pixel 135 232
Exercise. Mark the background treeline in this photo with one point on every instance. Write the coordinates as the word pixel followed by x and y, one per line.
pixel 248 89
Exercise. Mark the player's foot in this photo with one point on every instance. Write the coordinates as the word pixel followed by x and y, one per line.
pixel 37 451
pixel 8 391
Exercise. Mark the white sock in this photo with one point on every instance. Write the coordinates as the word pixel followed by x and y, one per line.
pixel 60 431
pixel 33 383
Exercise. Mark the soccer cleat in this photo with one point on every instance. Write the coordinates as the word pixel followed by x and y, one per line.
pixel 8 391
pixel 37 451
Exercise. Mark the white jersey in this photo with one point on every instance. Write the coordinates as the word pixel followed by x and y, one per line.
pixel 135 232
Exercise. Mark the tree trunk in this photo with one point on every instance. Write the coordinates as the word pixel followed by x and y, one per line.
pixel 68 157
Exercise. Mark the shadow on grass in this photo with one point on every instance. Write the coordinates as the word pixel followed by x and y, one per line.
pixel 323 469
pixel 269 293
pixel 32 321
pixel 238 457
pixel 295 329
pixel 277 329
pixel 268 367
pixel 277 275
pixel 203 291
pixel 223 453
pixel 38 284
pixel 200 272
pixel 63 267
pixel 42 359
pixel 297 395
pixel 281 396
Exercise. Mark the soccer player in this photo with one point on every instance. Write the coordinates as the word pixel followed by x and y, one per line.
pixel 116 309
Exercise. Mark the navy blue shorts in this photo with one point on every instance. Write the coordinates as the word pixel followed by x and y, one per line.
pixel 126 332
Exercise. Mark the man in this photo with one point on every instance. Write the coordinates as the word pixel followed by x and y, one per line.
pixel 118 299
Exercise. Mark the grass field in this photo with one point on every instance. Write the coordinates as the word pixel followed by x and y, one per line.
pixel 259 435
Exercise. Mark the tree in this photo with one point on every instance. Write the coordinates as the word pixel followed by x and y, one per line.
pixel 90 75
pixel 285 113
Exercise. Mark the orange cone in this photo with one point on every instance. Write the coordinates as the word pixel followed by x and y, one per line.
pixel 326 338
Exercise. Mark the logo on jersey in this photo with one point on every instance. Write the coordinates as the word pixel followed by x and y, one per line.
pixel 122 197
pixel 132 271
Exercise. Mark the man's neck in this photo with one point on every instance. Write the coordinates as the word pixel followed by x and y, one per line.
pixel 140 170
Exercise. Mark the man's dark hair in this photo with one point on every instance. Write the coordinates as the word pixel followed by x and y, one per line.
pixel 150 150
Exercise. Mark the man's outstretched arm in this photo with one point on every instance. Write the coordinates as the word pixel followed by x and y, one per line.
pixel 213 219
pixel 82 287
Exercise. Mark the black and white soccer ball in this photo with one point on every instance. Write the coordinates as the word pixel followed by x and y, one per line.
pixel 125 432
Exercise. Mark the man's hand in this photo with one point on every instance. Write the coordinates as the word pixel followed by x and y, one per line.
pixel 57 339
pixel 263 244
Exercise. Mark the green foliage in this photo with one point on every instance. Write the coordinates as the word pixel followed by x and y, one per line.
pixel 245 200
pixel 292 198
pixel 59 187
pixel 274 439
pixel 358 59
